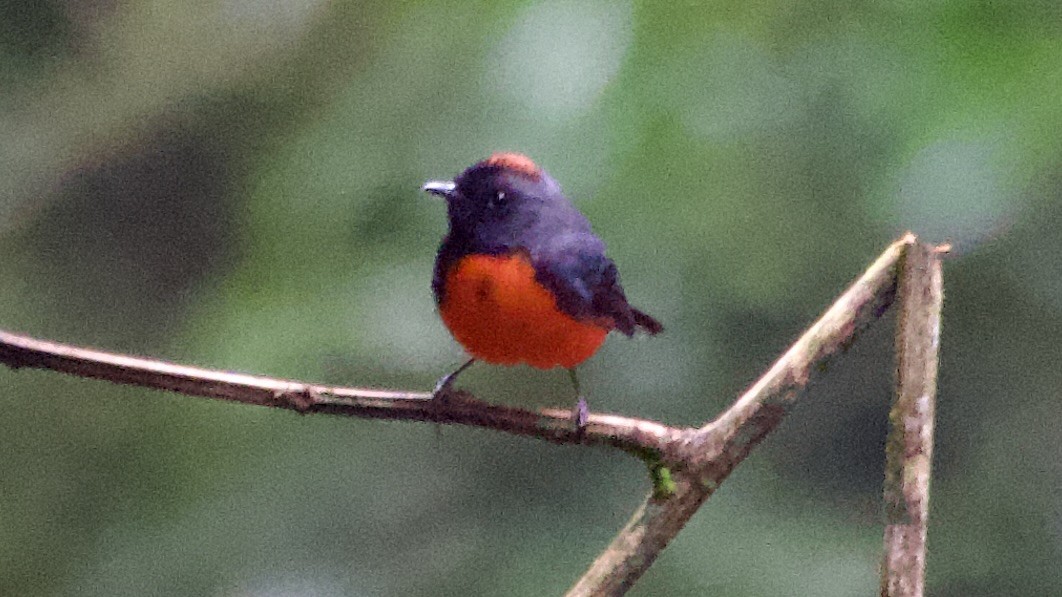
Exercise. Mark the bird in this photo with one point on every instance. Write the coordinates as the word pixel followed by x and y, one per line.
pixel 521 278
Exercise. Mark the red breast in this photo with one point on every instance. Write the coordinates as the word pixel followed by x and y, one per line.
pixel 500 313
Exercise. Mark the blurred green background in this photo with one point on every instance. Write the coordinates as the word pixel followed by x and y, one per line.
pixel 235 185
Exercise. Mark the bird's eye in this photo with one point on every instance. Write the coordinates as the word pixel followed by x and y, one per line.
pixel 497 200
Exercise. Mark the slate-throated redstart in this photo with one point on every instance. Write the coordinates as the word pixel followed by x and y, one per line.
pixel 520 277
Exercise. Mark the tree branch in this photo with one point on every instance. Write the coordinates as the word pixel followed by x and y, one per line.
pixel 637 436
pixel 713 451
pixel 909 448
pixel 687 464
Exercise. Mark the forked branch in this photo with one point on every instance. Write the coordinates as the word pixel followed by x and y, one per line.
pixel 713 451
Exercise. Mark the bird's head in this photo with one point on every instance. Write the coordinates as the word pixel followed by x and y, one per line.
pixel 498 198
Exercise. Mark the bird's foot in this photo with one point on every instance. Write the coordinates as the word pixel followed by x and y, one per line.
pixel 581 415
pixel 443 387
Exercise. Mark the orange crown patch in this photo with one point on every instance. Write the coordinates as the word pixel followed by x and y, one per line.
pixel 516 162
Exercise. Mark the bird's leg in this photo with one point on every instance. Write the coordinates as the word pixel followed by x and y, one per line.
pixel 447 381
pixel 581 412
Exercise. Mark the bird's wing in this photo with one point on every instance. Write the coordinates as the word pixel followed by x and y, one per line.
pixel 586 283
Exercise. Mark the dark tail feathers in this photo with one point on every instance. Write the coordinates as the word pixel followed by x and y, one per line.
pixel 646 322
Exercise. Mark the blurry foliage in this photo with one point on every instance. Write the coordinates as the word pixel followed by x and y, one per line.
pixel 235 185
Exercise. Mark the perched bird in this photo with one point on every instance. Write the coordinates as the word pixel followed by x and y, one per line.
pixel 520 277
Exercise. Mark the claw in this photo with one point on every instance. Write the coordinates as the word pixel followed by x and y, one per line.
pixel 581 415
pixel 443 387
pixel 446 382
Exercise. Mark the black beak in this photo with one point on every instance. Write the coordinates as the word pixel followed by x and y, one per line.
pixel 441 188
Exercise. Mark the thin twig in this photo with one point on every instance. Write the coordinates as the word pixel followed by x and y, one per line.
pixel 637 436
pixel 909 448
